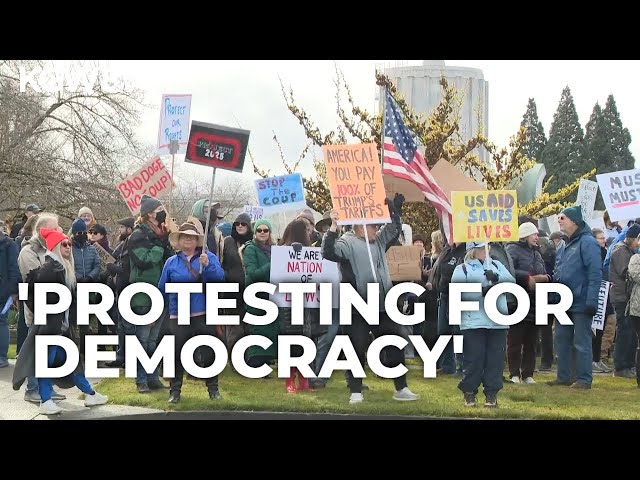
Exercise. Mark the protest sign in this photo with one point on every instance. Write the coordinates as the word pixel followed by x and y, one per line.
pixel 404 264
pixel 255 213
pixel 490 215
pixel 217 146
pixel 175 112
pixel 355 181
pixel 599 317
pixel 621 193
pixel 304 266
pixel 152 179
pixel 284 192
pixel 587 194
pixel 105 257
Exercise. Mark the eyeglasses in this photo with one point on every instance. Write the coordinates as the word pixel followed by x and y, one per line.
pixel 262 230
pixel 241 224
pixel 92 232
pixel 65 244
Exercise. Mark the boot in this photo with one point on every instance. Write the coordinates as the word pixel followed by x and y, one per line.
pixel 290 383
pixel 303 383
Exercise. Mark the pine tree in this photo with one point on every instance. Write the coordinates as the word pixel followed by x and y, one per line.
pixel 564 156
pixel 597 146
pixel 619 138
pixel 536 139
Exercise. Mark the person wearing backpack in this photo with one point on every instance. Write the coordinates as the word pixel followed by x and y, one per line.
pixel 626 338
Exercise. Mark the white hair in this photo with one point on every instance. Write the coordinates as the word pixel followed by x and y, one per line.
pixel 44 221
pixel 67 263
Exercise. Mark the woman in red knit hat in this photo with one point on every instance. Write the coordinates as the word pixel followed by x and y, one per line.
pixel 58 268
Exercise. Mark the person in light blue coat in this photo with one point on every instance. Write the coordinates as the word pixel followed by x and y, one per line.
pixel 484 341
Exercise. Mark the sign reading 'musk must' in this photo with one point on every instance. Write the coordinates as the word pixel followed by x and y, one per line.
pixel 217 146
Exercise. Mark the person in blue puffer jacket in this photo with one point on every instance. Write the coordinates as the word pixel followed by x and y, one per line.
pixel 184 267
pixel 578 266
pixel 484 341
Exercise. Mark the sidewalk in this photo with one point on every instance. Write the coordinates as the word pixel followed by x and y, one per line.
pixel 14 407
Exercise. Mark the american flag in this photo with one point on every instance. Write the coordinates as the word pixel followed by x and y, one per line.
pixel 402 159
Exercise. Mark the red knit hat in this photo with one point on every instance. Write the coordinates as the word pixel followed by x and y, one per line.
pixel 52 237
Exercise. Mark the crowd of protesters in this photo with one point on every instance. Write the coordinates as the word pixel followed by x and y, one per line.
pixel 35 250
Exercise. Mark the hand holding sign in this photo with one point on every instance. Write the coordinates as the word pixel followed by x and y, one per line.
pixel 204 260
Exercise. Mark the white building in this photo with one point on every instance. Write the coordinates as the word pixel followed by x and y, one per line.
pixel 420 86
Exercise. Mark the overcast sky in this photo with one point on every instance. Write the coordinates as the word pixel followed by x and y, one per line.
pixel 248 92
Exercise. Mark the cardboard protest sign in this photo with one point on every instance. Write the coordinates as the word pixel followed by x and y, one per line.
pixel 490 215
pixel 304 266
pixel 217 146
pixel 175 112
pixel 587 194
pixel 105 257
pixel 621 193
pixel 603 294
pixel 255 213
pixel 355 181
pixel 284 192
pixel 404 263
pixel 152 179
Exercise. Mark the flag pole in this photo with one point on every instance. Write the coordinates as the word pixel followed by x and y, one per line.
pixel 366 237
pixel 384 102
pixel 206 228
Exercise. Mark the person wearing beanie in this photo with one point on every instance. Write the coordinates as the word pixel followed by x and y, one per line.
pixel 579 267
pixel 148 250
pixel 256 256
pixel 307 216
pixel 626 338
pixel 87 216
pixel 57 268
pixel 241 233
pixel 215 239
pixel 522 337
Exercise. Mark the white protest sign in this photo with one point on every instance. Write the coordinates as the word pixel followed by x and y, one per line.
pixel 255 213
pixel 587 198
pixel 304 266
pixel 598 318
pixel 175 112
pixel 621 193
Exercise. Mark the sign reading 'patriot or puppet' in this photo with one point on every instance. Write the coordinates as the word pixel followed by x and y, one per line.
pixel 490 215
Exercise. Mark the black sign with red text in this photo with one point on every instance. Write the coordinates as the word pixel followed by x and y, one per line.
pixel 217 146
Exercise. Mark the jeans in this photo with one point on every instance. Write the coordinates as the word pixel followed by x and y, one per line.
pixel 576 336
pixel 4 336
pixel 124 328
pixel 147 336
pixel 483 359
pixel 448 358
pixel 57 356
pixel 324 344
pixel 626 341
pixel 23 329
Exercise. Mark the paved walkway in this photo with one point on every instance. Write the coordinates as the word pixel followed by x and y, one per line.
pixel 14 407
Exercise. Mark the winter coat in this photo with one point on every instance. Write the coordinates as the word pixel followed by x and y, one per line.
pixel 51 271
pixel 147 254
pixel 258 269
pixel 9 272
pixel 578 267
pixel 633 308
pixel 176 271
pixel 527 262
pixel 620 257
pixel 232 264
pixel 86 261
pixel 475 274
pixel 31 256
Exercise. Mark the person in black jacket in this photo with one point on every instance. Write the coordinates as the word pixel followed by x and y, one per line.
pixel 522 337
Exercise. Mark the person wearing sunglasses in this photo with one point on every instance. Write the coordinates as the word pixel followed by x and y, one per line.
pixel 59 268
pixel 241 233
pixel 98 234
pixel 579 267
pixel 256 257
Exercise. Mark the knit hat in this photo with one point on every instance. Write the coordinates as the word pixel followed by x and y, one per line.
pixel 307 214
pixel 84 210
pixel 53 237
pixel 526 229
pixel 263 221
pixel 78 226
pixel 472 245
pixel 243 217
pixel 148 204
pixel 555 235
pixel 128 222
pixel 574 214
pixel 633 231
pixel 198 210
pixel 32 207
pixel 418 238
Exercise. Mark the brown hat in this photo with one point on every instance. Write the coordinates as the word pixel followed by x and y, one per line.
pixel 307 214
pixel 325 222
pixel 186 228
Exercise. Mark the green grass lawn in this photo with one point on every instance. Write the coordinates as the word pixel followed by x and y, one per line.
pixel 610 398
pixel 12 351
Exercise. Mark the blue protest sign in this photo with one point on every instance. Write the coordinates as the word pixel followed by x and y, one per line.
pixel 284 192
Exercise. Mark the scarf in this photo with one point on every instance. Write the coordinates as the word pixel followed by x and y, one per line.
pixel 266 248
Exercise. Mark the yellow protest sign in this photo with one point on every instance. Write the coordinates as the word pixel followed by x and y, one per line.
pixel 355 182
pixel 490 215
